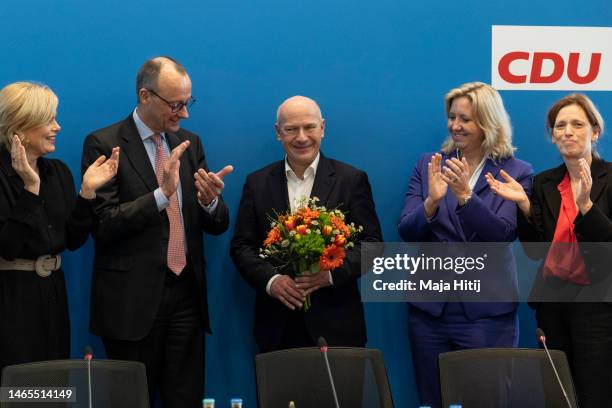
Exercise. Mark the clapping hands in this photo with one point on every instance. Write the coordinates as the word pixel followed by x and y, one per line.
pixel 99 173
pixel 19 161
pixel 510 190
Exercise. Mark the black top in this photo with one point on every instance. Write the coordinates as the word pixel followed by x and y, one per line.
pixel 594 227
pixel 34 322
pixel 32 225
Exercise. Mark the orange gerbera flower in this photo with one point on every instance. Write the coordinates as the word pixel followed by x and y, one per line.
pixel 332 257
pixel 274 236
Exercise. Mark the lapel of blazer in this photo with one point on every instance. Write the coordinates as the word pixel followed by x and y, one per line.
pixel 133 148
pixel 276 185
pixel 598 174
pixel 489 167
pixel 450 204
pixel 324 181
pixel 550 193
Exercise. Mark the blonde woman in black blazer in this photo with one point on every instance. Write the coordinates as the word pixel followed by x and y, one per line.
pixel 583 330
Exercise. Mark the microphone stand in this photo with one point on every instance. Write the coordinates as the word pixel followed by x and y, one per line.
pixel 323 347
pixel 542 339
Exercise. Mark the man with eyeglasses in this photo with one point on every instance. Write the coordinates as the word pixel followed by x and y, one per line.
pixel 336 312
pixel 148 299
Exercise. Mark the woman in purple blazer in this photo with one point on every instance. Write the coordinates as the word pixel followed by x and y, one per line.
pixel 449 200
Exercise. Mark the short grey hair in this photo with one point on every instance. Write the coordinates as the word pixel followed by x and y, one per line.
pixel 148 74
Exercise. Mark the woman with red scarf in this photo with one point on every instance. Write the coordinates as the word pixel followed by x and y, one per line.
pixel 571 204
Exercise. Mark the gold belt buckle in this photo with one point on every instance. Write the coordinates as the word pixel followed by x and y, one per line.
pixel 41 270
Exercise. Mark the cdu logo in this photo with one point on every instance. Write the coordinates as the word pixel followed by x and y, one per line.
pixel 551 58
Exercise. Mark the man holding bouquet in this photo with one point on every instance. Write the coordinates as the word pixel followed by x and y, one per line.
pixel 334 304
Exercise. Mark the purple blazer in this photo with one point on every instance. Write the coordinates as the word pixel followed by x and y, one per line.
pixel 485 218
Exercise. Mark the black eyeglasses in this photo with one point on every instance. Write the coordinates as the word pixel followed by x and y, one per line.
pixel 175 106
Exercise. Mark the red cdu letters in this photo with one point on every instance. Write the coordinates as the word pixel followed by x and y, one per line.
pixel 537 62
pixel 536 76
pixel 572 68
pixel 504 67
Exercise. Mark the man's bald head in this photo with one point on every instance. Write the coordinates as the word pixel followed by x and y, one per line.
pixel 162 83
pixel 297 102
pixel 300 129
pixel 149 72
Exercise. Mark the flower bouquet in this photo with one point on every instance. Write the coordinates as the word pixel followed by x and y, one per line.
pixel 311 239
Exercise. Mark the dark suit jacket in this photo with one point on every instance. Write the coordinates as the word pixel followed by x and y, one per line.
pixel 337 311
pixel 594 226
pixel 131 235
pixel 485 218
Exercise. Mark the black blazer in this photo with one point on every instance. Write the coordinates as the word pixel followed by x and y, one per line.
pixel 594 226
pixel 337 311
pixel 131 235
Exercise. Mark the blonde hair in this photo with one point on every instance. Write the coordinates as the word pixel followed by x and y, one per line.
pixel 24 106
pixel 489 115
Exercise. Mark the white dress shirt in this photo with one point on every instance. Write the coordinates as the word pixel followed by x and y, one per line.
pixel 146 134
pixel 299 191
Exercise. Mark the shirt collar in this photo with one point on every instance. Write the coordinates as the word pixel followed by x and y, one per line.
pixel 312 167
pixel 477 172
pixel 143 130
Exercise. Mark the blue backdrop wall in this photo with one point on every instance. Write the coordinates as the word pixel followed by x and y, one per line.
pixel 378 69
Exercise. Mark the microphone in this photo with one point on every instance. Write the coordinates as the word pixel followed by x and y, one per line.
pixel 323 347
pixel 88 355
pixel 542 339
